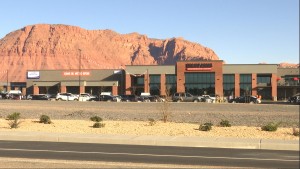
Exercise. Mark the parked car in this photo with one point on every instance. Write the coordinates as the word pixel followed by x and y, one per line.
pixel 108 98
pixel 29 97
pixel 129 98
pixel 86 97
pixel 245 99
pixel 185 97
pixel 40 97
pixel 208 98
pixel 66 97
pixel 294 99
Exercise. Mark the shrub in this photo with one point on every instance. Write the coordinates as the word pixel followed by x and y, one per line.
pixel 225 123
pixel 14 116
pixel 98 125
pixel 14 120
pixel 152 122
pixel 295 131
pixel 96 119
pixel 205 127
pixel 270 127
pixel 45 119
pixel 165 111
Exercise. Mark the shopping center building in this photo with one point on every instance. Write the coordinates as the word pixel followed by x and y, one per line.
pixel 195 77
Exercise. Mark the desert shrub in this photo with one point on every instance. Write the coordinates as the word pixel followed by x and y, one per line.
pixel 295 131
pixel 270 126
pixel 14 121
pixel 152 122
pixel 45 119
pixel 98 125
pixel 225 123
pixel 14 116
pixel 165 111
pixel 205 127
pixel 96 119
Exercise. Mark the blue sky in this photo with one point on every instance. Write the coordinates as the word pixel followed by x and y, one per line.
pixel 239 31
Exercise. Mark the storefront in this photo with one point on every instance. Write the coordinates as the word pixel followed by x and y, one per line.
pixel 195 77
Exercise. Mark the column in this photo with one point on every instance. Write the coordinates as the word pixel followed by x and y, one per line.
pixel 114 90
pixel 36 89
pixel 254 84
pixel 236 85
pixel 128 84
pixel 63 89
pixel 82 89
pixel 274 86
pixel 146 83
pixel 163 84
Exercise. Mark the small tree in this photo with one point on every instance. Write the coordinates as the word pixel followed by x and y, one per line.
pixel 14 121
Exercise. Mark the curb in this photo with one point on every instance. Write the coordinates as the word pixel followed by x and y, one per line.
pixel 180 141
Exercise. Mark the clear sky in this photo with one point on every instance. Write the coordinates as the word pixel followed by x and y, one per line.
pixel 239 31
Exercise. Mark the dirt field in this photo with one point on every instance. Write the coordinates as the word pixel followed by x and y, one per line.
pixel 132 118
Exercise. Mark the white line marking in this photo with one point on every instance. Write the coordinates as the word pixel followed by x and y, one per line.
pixel 151 155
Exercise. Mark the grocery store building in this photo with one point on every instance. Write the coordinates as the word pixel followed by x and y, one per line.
pixel 195 77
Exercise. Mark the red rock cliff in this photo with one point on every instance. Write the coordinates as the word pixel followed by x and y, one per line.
pixel 43 46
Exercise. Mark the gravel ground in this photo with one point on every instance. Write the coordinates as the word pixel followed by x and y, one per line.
pixel 253 115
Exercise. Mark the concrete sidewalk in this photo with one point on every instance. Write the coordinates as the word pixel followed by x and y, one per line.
pixel 153 140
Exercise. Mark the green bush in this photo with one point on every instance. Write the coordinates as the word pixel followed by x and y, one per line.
pixel 225 123
pixel 205 127
pixel 96 119
pixel 270 127
pixel 14 116
pixel 14 121
pixel 98 125
pixel 152 122
pixel 45 119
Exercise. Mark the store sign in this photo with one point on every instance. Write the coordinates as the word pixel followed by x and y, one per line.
pixel 76 73
pixel 198 66
pixel 33 75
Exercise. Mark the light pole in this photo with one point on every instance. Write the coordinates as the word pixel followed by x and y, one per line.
pixel 7 80
pixel 79 73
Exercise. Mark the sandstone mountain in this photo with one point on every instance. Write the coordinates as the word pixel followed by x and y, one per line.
pixel 46 47
pixel 288 65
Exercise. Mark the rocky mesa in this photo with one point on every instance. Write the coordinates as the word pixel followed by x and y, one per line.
pixel 45 46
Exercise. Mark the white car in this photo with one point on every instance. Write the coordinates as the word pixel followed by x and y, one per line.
pixel 86 97
pixel 66 97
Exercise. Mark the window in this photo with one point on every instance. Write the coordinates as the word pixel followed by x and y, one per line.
pixel 200 83
pixel 154 84
pixel 228 85
pixel 171 84
pixel 245 84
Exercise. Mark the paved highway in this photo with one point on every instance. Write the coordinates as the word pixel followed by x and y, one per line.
pixel 150 154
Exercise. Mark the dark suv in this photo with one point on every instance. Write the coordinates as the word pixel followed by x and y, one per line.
pixel 129 98
pixel 245 99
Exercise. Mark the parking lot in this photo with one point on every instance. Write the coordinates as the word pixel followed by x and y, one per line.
pixel 237 114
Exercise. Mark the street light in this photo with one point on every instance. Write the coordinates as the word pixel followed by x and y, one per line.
pixel 79 73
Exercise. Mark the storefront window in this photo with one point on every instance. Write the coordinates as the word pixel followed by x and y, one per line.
pixel 171 84
pixel 200 83
pixel 228 85
pixel 154 84
pixel 245 84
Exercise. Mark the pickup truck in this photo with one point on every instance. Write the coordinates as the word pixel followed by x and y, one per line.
pixel 185 97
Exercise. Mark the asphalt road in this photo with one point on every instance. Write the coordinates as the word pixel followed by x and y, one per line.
pixel 150 154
